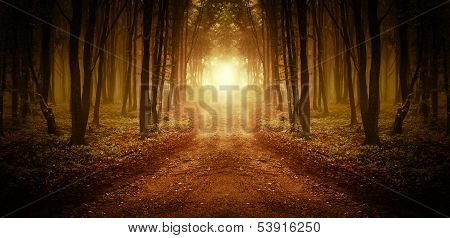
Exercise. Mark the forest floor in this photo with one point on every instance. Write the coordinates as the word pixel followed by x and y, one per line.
pixel 184 172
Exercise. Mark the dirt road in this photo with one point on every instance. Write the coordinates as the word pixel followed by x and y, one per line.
pixel 223 174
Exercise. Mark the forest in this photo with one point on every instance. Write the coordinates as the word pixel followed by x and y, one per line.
pixel 224 108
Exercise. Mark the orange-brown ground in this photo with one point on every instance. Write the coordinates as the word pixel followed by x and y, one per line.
pixel 197 174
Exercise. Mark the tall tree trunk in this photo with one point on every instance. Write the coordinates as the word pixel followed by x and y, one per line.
pixel 348 64
pixel 46 60
pixel 4 65
pixel 362 61
pixel 134 77
pixel 372 137
pixel 434 77
pixel 351 94
pixel 315 78
pixel 272 19
pixel 286 14
pixel 100 81
pixel 101 69
pixel 338 66
pixel 304 97
pixel 165 55
pixel 266 60
pixel 292 57
pixel 402 6
pixel 318 24
pixel 425 73
pixel 175 56
pixel 24 86
pixel 446 77
pixel 129 51
pixel 77 136
pixel 45 50
pixel 157 59
pixel 15 78
pixel 88 64
pixel 147 29
pixel 404 109
pixel 111 69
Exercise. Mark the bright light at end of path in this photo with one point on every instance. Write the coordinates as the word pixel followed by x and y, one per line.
pixel 225 74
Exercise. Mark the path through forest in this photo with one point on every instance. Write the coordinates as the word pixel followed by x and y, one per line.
pixel 224 174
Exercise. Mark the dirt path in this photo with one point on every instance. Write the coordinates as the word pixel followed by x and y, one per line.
pixel 223 174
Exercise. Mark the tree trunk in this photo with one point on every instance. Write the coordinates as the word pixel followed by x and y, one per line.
pixel 147 29
pixel 157 59
pixel 15 80
pixel 165 54
pixel 101 73
pixel 45 50
pixel 2 85
pixel 292 57
pixel 434 77
pixel 351 94
pixel 338 66
pixel 404 109
pixel 286 14
pixel 111 70
pixel 98 93
pixel 46 60
pixel 134 77
pixel 304 97
pixel 77 137
pixel 402 7
pixel 318 24
pixel 446 77
pixel 372 137
pixel 88 65
pixel 129 51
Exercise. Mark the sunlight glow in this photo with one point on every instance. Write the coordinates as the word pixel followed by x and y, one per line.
pixel 225 74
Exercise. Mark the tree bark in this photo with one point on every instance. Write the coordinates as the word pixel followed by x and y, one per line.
pixel 129 51
pixel 88 64
pixel 372 137
pixel 446 77
pixel 318 24
pixel 46 60
pixel 77 137
pixel 293 72
pixel 304 97
pixel 402 7
pixel 157 59
pixel 147 29
pixel 362 67
pixel 4 65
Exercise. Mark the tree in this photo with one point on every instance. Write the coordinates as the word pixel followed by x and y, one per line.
pixel 372 137
pixel 102 55
pixel 348 55
pixel 293 72
pixel 304 96
pixel 145 72
pixel 46 59
pixel 3 66
pixel 77 137
pixel 131 18
pixel 369 105
pixel 101 74
pixel 157 61
pixel 318 26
